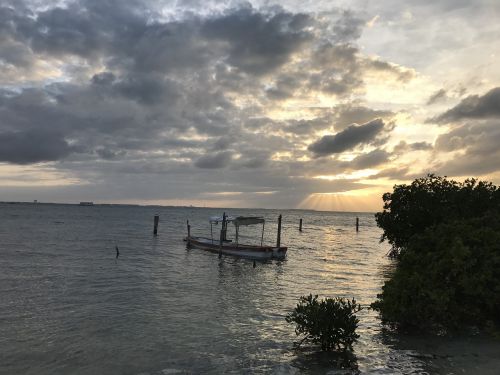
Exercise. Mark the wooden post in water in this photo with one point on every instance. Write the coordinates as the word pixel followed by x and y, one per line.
pixel 357 224
pixel 300 225
pixel 189 232
pixel 224 227
pixel 155 229
pixel 278 240
pixel 222 234
pixel 221 239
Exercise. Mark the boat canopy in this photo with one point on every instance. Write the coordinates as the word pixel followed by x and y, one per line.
pixel 216 219
pixel 238 221
pixel 248 220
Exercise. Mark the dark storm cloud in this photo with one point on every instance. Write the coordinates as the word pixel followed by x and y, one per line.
pixel 348 138
pixel 109 154
pixel 252 159
pixel 437 96
pixel 338 56
pixel 370 159
pixel 259 43
pixel 334 84
pixel 214 161
pixel 338 117
pixel 15 54
pixel 148 89
pixel 481 137
pixel 348 28
pixel 474 107
pixel 112 110
pixel 340 69
pixel 103 78
pixel 285 86
pixel 474 142
pixel 60 31
pixel 152 96
pixel 470 163
pixel 306 127
pixel 32 147
pixel 123 32
pixel 355 114
pixel 475 148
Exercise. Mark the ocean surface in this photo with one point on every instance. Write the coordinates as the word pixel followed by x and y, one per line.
pixel 68 306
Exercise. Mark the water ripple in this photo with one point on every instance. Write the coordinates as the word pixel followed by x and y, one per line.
pixel 68 306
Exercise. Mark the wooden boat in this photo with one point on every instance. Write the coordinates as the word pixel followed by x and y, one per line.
pixel 228 247
pixel 86 203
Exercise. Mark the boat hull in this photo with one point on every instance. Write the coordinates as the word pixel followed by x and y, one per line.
pixel 244 251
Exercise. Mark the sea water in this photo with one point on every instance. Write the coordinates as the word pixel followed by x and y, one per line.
pixel 68 305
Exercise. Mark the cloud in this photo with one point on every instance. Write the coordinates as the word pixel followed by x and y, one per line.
pixel 214 161
pixel 474 141
pixel 380 66
pixel 481 137
pixel 348 27
pixel 336 69
pixel 285 86
pixel 259 43
pixel 355 114
pixel 32 147
pixel 473 107
pixel 437 97
pixel 306 127
pixel 148 89
pixel 395 173
pixel 403 147
pixel 369 160
pixel 474 147
pixel 348 138
pixel 122 93
pixel 470 164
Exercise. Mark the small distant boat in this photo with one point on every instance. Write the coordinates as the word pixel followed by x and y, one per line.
pixel 86 203
pixel 229 247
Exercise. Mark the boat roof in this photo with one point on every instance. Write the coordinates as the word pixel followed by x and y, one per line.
pixel 240 220
pixel 216 219
pixel 248 220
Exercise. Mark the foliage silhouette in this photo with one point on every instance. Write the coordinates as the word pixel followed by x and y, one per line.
pixel 331 322
pixel 446 238
pixel 411 209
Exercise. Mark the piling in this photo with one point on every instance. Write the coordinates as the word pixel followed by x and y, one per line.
pixel 189 232
pixel 357 224
pixel 221 239
pixel 222 236
pixel 155 229
pixel 300 225
pixel 278 240
pixel 224 227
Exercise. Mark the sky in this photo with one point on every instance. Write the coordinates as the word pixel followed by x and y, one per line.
pixel 306 104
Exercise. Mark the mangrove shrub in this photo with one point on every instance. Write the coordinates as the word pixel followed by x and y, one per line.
pixel 411 209
pixel 330 322
pixel 447 241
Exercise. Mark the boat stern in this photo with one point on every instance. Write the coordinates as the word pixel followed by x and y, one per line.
pixel 279 252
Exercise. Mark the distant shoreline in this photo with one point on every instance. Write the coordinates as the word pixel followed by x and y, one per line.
pixel 170 206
